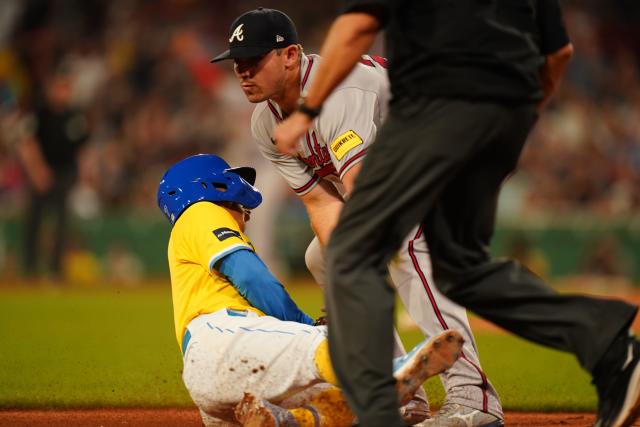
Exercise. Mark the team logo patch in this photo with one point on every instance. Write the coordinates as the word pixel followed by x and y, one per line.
pixel 224 233
pixel 345 142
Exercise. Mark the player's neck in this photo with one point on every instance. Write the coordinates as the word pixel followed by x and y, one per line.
pixel 287 100
pixel 237 214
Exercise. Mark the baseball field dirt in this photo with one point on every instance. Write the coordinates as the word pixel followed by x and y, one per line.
pixel 190 418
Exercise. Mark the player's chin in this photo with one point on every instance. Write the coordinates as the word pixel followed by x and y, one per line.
pixel 255 97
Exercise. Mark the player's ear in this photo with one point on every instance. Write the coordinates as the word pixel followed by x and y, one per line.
pixel 292 56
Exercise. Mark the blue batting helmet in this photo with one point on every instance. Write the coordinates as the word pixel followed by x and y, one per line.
pixel 205 177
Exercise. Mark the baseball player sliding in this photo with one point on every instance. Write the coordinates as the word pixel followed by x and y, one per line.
pixel 247 346
pixel 274 73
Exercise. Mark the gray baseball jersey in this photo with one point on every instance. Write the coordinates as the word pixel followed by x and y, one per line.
pixel 340 135
pixel 338 140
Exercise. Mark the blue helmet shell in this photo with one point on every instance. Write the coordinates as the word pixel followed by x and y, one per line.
pixel 205 177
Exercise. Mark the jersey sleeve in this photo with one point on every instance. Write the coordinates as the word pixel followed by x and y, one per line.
pixel 348 124
pixel 300 177
pixel 210 233
pixel 253 280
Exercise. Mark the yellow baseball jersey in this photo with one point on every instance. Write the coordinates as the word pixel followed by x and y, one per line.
pixel 204 234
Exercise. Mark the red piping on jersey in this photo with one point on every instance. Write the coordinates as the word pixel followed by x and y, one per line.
pixel 309 144
pixel 380 60
pixel 350 161
pixel 443 323
pixel 274 110
pixel 315 178
pixel 306 73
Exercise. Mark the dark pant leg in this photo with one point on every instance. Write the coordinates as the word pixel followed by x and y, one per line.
pixel 417 152
pixel 459 229
pixel 423 149
pixel 31 231
pixel 59 206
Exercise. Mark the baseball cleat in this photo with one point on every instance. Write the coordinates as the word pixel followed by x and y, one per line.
pixel 414 412
pixel 254 412
pixel 430 357
pixel 456 415
pixel 619 396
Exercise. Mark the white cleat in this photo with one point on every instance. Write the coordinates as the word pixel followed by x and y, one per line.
pixel 430 357
pixel 455 415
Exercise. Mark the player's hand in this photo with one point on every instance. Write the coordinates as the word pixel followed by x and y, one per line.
pixel 287 133
pixel 320 321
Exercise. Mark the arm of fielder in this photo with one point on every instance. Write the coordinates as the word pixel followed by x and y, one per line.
pixel 323 205
pixel 349 178
pixel 350 36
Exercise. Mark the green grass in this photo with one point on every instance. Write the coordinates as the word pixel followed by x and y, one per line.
pixel 117 348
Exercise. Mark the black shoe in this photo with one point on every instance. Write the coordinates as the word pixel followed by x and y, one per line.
pixel 619 393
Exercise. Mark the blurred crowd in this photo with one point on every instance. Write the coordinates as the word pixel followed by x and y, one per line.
pixel 584 156
pixel 139 72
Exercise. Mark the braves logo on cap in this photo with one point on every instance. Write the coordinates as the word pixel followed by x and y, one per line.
pixel 237 33
pixel 267 29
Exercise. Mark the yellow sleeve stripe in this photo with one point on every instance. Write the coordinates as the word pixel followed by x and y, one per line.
pixel 226 251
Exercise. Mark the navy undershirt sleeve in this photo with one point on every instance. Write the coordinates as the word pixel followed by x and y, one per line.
pixel 253 280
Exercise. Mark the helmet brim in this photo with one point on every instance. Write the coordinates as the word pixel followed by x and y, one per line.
pixel 245 172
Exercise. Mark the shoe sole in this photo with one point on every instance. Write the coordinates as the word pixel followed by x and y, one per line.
pixel 250 413
pixel 631 406
pixel 435 357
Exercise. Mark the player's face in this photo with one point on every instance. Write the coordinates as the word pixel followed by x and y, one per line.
pixel 241 214
pixel 262 77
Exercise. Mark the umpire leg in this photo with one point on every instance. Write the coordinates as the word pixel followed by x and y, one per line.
pixel 503 291
pixel 426 157
pixel 32 226
pixel 400 178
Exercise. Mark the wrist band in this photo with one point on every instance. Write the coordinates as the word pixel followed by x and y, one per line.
pixel 311 112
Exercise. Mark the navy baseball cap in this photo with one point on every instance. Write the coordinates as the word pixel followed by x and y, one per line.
pixel 257 32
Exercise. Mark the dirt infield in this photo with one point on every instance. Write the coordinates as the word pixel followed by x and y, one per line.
pixel 190 418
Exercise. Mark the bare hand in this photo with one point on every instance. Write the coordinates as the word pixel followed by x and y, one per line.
pixel 287 133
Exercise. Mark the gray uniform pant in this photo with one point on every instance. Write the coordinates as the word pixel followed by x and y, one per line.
pixel 440 163
pixel 410 271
